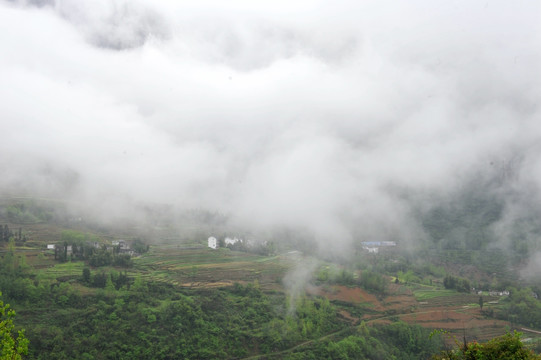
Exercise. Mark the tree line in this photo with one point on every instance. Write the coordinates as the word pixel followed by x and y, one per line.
pixel 6 234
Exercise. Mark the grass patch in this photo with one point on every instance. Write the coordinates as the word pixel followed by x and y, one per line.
pixel 203 266
pixel 423 295
pixel 64 269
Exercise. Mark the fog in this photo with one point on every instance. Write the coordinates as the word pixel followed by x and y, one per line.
pixel 342 118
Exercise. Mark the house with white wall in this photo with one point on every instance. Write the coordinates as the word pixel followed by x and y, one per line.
pixel 231 241
pixel 212 242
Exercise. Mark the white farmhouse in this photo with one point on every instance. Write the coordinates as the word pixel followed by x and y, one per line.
pixel 213 243
pixel 119 243
pixel 229 241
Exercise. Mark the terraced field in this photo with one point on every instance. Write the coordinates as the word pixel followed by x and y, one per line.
pixel 196 266
pixel 427 293
pixel 58 271
pixel 204 267
pixel 430 307
pixel 450 299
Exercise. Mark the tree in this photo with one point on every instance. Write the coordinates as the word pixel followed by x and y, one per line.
pixel 109 286
pixel 6 233
pixel 193 274
pixel 10 347
pixel 138 284
pixel 508 346
pixel 139 246
pixel 481 302
pixel 99 280
pixel 86 275
pixel 65 251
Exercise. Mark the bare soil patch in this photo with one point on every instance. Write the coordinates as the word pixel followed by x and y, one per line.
pixel 347 317
pixel 447 313
pixel 458 321
pixel 352 295
pixel 400 303
pixel 207 285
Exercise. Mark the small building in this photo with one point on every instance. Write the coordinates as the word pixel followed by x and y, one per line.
pixel 371 243
pixel 378 243
pixel 127 252
pixel 373 246
pixel 50 246
pixel 499 293
pixel 212 242
pixel 229 241
pixel 120 243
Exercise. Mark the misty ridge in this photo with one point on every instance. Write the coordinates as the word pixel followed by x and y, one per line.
pixel 340 122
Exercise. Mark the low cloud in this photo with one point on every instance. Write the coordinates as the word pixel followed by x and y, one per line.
pixel 342 119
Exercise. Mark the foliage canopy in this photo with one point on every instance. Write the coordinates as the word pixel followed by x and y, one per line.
pixel 506 347
pixel 10 347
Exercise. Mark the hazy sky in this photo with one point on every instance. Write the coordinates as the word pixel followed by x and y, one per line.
pixel 315 114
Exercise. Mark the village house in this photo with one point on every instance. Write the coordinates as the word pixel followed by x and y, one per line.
pixel 378 243
pixel 371 250
pixel 122 247
pixel 120 243
pixel 373 246
pixel 229 241
pixel 212 242
pixel 494 293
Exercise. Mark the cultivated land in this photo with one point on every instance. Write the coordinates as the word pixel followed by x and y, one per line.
pixel 196 266
pixel 192 265
pixel 207 268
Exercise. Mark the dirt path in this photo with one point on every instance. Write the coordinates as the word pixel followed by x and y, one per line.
pixel 281 352
pixel 309 342
pixel 373 320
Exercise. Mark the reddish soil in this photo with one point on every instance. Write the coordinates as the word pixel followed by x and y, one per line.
pixel 347 316
pixel 457 318
pixel 347 294
pixel 400 298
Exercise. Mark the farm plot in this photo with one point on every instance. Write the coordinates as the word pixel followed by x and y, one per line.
pixel 429 307
pixel 451 300
pixel 201 267
pixel 64 270
pixel 39 234
pixel 458 322
pixel 426 294
pixel 353 295
pixel 400 298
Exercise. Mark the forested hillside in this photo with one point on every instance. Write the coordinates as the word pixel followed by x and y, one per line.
pixel 149 300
